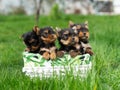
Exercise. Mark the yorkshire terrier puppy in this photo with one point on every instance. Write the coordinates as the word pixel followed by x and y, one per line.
pixel 83 33
pixel 68 39
pixel 31 40
pixel 47 36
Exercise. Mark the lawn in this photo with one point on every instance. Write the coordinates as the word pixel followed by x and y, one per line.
pixel 104 39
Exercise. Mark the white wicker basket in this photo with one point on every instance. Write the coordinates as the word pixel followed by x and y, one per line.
pixel 35 65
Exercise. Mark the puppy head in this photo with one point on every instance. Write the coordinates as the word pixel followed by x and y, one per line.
pixel 83 31
pixel 31 40
pixel 47 35
pixel 68 37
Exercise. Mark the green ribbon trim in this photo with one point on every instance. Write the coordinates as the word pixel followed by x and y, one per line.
pixel 64 61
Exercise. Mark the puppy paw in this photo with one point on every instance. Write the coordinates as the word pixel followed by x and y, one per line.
pixel 73 54
pixel 46 55
pixel 60 53
pixel 89 51
pixel 53 55
pixel 27 50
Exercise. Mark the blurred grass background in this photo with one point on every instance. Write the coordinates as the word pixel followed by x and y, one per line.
pixel 104 39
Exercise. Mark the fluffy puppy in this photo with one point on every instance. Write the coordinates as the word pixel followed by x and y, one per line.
pixel 68 39
pixel 83 33
pixel 47 36
pixel 31 40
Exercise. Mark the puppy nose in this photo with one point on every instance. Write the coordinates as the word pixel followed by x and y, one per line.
pixel 84 34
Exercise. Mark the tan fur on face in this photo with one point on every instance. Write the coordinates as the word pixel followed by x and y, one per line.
pixel 76 39
pixel 33 48
pixel 51 38
pixel 87 34
pixel 82 35
pixel 66 42
pixel 46 31
pixel 78 26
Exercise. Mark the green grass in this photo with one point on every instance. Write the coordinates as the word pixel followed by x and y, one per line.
pixel 104 39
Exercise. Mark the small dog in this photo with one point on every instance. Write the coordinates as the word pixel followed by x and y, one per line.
pixel 83 33
pixel 68 39
pixel 31 40
pixel 47 36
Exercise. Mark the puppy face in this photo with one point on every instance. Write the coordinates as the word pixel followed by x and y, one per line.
pixel 47 35
pixel 31 40
pixel 68 37
pixel 82 29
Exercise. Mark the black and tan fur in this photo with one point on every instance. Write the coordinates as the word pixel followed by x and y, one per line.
pixel 31 40
pixel 68 39
pixel 47 36
pixel 83 33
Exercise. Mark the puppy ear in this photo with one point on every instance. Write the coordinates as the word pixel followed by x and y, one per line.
pixel 86 24
pixel 36 29
pixel 58 31
pixel 71 23
pixel 51 27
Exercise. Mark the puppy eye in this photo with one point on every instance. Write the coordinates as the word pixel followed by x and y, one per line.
pixel 45 34
pixel 65 36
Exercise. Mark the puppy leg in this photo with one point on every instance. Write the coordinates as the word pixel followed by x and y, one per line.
pixel 46 55
pixel 52 55
pixel 89 51
pixel 73 53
